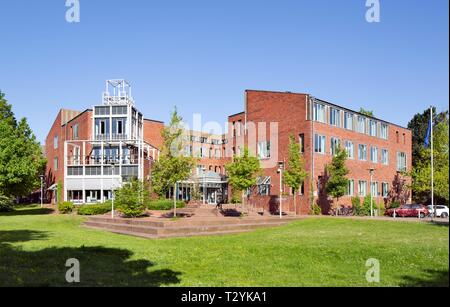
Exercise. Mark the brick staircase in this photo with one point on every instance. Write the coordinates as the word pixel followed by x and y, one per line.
pixel 200 225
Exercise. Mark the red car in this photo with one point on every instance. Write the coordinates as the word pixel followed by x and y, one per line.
pixel 411 210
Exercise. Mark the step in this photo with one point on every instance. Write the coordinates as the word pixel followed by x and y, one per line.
pixel 180 231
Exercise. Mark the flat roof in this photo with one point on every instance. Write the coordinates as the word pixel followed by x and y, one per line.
pixel 329 103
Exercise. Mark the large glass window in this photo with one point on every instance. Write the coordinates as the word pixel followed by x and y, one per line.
pixel 362 188
pixel 348 121
pixel 101 126
pixel 350 149
pixel 384 131
pixel 373 128
pixel 319 113
pixel 385 189
pixel 263 184
pixel 361 124
pixel 264 150
pixel 362 152
pixel 351 188
pixel 384 157
pixel 102 110
pixel 335 117
pixel 335 144
pixel 374 189
pixel 401 162
pixel 319 143
pixel 374 154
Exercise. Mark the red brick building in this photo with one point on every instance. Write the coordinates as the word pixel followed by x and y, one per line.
pixel 87 151
pixel 319 126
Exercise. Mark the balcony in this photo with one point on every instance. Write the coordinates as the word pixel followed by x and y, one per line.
pixel 102 160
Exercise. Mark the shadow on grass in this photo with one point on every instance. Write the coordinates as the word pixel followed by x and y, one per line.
pixel 434 278
pixel 28 211
pixel 99 266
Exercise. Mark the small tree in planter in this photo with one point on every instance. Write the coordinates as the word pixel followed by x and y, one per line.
pixel 131 198
pixel 337 184
pixel 295 173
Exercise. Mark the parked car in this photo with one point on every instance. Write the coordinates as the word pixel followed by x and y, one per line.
pixel 410 210
pixel 441 211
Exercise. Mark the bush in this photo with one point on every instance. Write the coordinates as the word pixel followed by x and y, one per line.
pixel 316 210
pixel 395 204
pixel 95 209
pixel 6 204
pixel 131 198
pixel 164 204
pixel 365 210
pixel 356 205
pixel 381 208
pixel 65 207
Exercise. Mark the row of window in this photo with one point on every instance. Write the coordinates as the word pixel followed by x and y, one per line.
pixel 114 110
pixel 107 171
pixel 202 152
pixel 363 153
pixel 362 189
pixel 204 140
pixel 350 121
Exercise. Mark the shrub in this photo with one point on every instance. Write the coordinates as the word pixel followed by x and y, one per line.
pixel 131 198
pixel 356 205
pixel 98 209
pixel 164 204
pixel 365 210
pixel 381 208
pixel 395 204
pixel 6 204
pixel 316 210
pixel 65 207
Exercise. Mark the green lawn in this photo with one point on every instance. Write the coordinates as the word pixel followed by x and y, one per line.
pixel 34 247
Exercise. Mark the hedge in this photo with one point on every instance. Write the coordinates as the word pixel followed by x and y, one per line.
pixel 65 207
pixel 164 204
pixel 98 209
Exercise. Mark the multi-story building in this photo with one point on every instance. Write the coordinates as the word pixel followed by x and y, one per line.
pixel 91 153
pixel 377 150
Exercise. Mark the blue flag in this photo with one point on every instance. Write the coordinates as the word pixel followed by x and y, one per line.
pixel 427 138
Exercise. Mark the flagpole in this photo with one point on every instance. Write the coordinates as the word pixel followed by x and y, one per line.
pixel 432 165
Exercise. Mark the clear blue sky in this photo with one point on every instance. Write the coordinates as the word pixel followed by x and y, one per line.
pixel 202 54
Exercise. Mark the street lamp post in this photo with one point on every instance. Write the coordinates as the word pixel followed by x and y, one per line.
pixel 280 171
pixel 371 170
pixel 42 190
pixel 204 184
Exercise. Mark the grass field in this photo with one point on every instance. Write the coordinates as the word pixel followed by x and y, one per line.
pixel 34 247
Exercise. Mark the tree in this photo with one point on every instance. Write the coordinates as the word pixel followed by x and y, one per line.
pixel 366 112
pixel 21 157
pixel 421 173
pixel 295 173
pixel 131 198
pixel 337 183
pixel 243 172
pixel 172 166
pixel 419 126
pixel 400 191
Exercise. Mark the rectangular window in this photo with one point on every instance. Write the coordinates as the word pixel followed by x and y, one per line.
pixel 385 189
pixel 301 140
pixel 362 188
pixel 374 189
pixel 348 121
pixel 218 153
pixel 263 184
pixel 350 149
pixel 374 154
pixel 362 152
pixel 351 188
pixel 55 164
pixel 361 124
pixel 319 143
pixel 264 150
pixel 335 117
pixel 384 157
pixel 55 142
pixel 384 131
pixel 319 113
pixel 401 162
pixel 373 128
pixel 102 110
pixel 335 144
pixel 75 132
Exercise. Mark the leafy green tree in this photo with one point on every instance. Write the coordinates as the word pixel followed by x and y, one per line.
pixel 21 157
pixel 337 183
pixel 421 173
pixel 243 172
pixel 173 166
pixel 295 173
pixel 419 126
pixel 366 112
pixel 131 198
